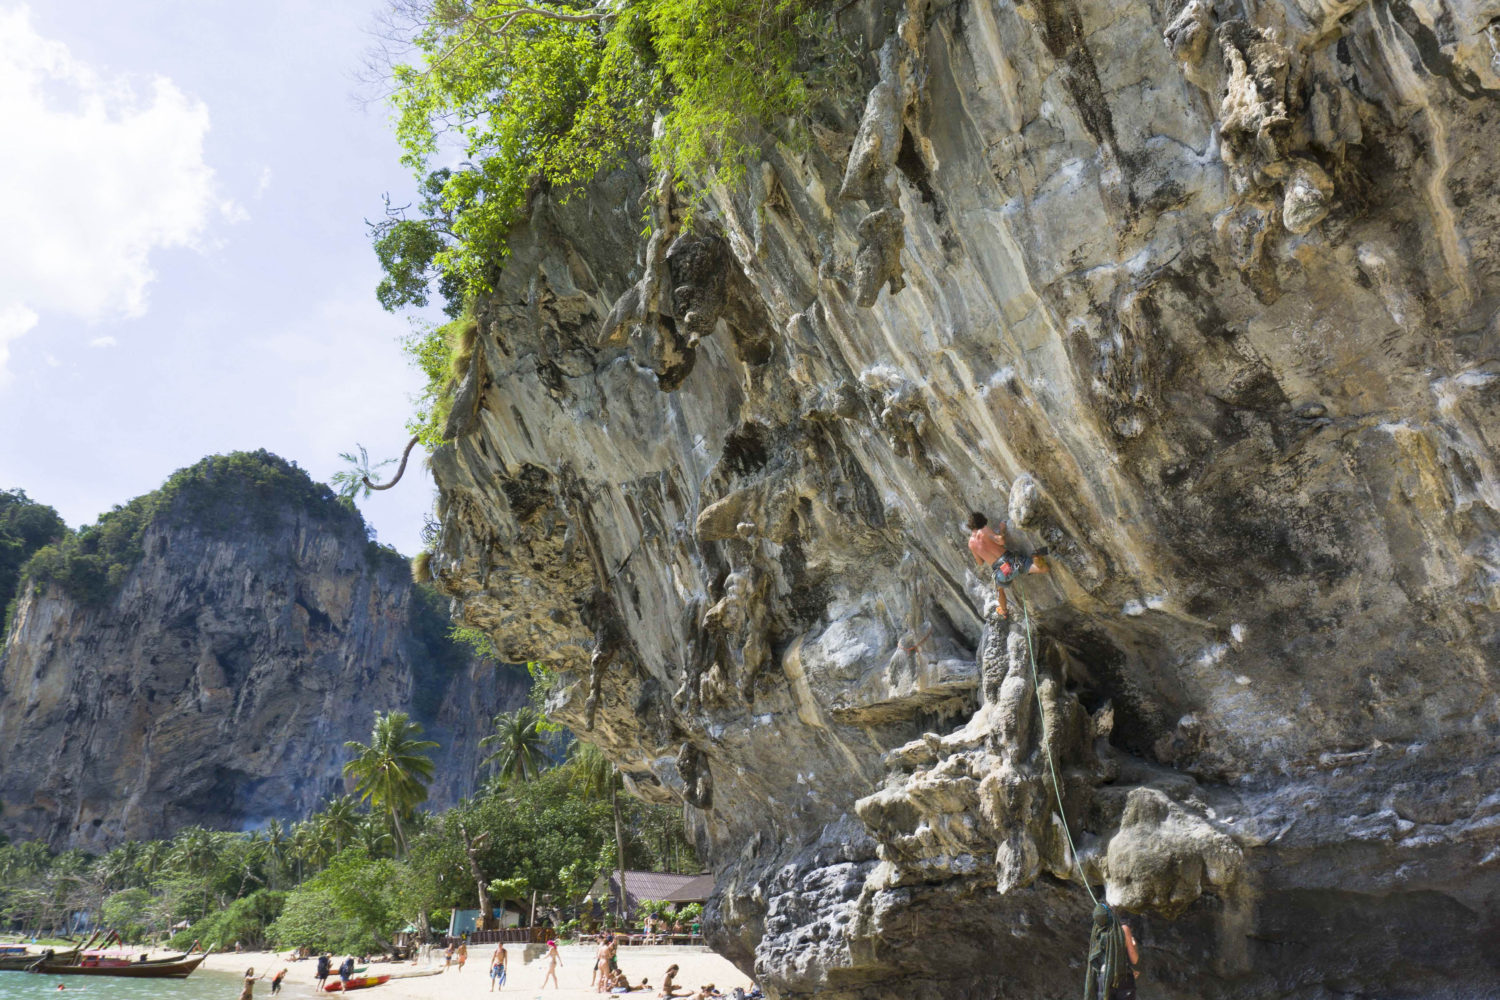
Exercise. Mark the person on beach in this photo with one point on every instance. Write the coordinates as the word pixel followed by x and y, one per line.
pixel 324 966
pixel 553 961
pixel 601 965
pixel 497 968
pixel 276 982
pixel 668 986
pixel 462 954
pixel 346 971
pixel 448 957
pixel 247 991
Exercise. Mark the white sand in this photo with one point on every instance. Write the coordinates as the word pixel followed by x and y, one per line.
pixel 698 967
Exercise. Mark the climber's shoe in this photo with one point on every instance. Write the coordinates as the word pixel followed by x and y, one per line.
pixel 1045 550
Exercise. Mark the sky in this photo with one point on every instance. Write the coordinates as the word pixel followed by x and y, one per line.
pixel 184 263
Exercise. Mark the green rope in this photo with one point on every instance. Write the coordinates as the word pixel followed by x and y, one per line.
pixel 1036 690
pixel 1107 954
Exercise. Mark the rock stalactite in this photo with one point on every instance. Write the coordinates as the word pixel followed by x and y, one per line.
pixel 1201 296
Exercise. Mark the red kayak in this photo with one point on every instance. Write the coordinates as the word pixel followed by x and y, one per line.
pixel 357 983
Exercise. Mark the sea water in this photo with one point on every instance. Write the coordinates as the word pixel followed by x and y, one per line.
pixel 201 985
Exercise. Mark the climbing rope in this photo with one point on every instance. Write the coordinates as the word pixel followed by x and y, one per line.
pixel 1107 955
pixel 1036 690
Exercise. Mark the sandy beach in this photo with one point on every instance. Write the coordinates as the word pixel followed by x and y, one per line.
pixel 698 967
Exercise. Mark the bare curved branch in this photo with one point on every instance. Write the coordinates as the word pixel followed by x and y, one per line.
pixel 399 469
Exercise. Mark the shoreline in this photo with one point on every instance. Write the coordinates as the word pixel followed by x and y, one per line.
pixel 699 966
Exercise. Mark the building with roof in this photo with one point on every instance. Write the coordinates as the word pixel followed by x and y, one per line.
pixel 679 890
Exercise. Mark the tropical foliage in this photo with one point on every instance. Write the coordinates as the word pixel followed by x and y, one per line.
pixel 520 745
pixel 392 772
pixel 25 526
pixel 551 93
pixel 291 884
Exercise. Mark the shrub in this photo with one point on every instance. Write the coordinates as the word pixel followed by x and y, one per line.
pixel 552 94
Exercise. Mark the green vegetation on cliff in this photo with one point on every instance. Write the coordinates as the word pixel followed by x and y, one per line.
pixel 222 495
pixel 553 93
pixel 25 527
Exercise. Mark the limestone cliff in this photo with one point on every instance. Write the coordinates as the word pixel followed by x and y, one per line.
pixel 1202 297
pixel 217 681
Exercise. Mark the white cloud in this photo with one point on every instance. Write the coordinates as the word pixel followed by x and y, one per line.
pixel 102 342
pixel 15 319
pixel 264 184
pixel 97 178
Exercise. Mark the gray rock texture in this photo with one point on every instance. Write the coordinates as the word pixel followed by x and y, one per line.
pixel 1204 296
pixel 219 685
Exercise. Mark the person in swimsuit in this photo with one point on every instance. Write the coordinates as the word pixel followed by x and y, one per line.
pixel 990 549
pixel 247 991
pixel 276 982
pixel 497 968
pixel 553 961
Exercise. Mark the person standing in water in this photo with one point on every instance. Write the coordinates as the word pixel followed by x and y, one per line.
pixel 247 991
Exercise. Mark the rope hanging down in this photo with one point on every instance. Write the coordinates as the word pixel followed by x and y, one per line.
pixel 1107 953
pixel 1036 690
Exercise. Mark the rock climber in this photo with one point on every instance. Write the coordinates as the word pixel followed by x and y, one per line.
pixel 990 549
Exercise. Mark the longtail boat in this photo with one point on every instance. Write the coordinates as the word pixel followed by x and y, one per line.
pixel 357 983
pixel 176 968
pixel 20 962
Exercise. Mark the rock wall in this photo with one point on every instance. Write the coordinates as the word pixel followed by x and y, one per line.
pixel 218 685
pixel 1201 297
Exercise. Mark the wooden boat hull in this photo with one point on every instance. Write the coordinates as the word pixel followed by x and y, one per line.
pixel 20 963
pixel 139 970
pixel 357 983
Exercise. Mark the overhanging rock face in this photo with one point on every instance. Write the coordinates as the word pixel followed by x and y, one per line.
pixel 1200 297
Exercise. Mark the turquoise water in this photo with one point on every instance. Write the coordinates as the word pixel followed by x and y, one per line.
pixel 201 985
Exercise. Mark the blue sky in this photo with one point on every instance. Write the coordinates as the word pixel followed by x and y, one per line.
pixel 184 266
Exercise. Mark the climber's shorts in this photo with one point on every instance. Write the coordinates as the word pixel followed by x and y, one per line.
pixel 1009 566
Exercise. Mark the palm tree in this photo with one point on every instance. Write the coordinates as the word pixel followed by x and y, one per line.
pixel 393 770
pixel 153 857
pixel 593 775
pixel 372 835
pixel 339 821
pixel 520 745
pixel 276 851
pixel 308 847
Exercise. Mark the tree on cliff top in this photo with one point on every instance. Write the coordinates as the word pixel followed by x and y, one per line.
pixel 548 93
pixel 221 495
pixel 393 771
pixel 25 527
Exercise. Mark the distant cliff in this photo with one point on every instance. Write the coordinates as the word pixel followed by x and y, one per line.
pixel 202 654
